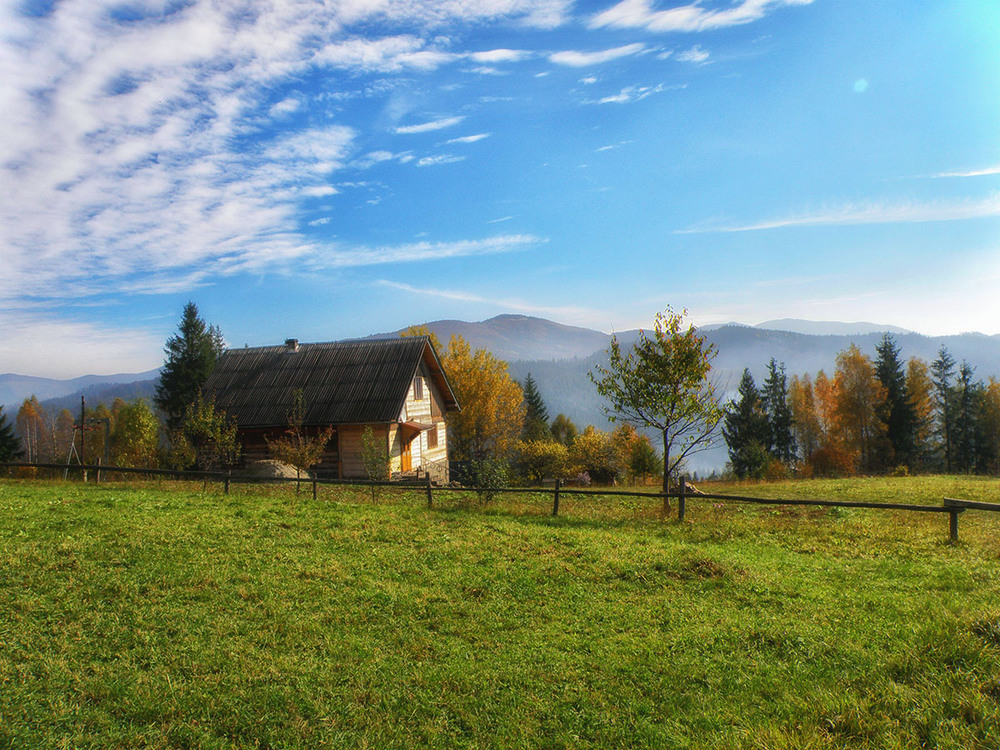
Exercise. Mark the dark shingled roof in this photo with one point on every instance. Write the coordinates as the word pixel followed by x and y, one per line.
pixel 342 382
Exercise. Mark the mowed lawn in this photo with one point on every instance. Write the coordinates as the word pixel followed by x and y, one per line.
pixel 139 616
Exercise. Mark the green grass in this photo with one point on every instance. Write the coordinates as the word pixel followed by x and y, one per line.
pixel 136 616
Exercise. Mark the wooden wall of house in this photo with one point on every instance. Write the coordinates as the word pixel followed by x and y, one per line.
pixel 429 409
pixel 254 448
pixel 351 466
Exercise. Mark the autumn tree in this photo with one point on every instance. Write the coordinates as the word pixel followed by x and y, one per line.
pixel 492 414
pixel 206 438
pixel 10 443
pixel 135 440
pixel 563 430
pixel 375 459
pixel 859 396
pixel 806 424
pixel 663 384
pixel 296 446
pixel 32 427
pixel 191 355
pixel 536 460
pixel 746 430
pixel 920 393
pixel 594 452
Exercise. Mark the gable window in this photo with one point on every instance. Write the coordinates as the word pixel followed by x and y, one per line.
pixel 418 388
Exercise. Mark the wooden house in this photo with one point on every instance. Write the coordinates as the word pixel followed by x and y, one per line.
pixel 396 386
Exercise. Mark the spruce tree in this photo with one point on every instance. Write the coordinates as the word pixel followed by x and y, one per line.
pixel 536 417
pixel 191 357
pixel 746 430
pixel 942 371
pixel 779 413
pixel 897 411
pixel 967 397
pixel 10 444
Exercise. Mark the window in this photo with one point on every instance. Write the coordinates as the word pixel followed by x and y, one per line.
pixel 432 437
pixel 418 388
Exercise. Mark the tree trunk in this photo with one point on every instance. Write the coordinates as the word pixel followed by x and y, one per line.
pixel 666 471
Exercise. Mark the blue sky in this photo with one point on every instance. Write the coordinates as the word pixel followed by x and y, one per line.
pixel 325 170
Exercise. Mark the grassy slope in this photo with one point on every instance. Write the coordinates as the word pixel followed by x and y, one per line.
pixel 131 616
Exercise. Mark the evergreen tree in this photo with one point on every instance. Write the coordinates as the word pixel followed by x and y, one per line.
pixel 746 431
pixel 191 357
pixel 966 408
pixel 779 413
pixel 896 410
pixel 10 444
pixel 536 417
pixel 942 371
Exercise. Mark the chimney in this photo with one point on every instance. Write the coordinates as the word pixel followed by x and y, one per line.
pixel 291 345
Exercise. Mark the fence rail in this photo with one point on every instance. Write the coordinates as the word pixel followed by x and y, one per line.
pixel 951 506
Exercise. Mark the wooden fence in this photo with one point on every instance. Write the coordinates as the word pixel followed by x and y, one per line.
pixel 951 506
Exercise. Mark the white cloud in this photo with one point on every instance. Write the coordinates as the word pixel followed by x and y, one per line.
pixel 577 59
pixel 427 127
pixel 694 55
pixel 469 138
pixel 425 251
pixel 433 161
pixel 985 172
pixel 500 56
pixel 284 107
pixel 319 191
pixel 630 94
pixel 572 313
pixel 874 213
pixel 634 14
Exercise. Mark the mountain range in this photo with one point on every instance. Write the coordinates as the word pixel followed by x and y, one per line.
pixel 559 358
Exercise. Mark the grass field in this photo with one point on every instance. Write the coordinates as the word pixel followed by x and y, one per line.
pixel 138 616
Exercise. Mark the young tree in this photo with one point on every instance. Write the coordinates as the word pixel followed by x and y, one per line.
pixel 746 430
pixel 539 459
pixel 663 384
pixel 536 417
pixel 644 461
pixel 191 355
pixel 859 395
pixel 774 397
pixel 563 430
pixel 920 392
pixel 895 411
pixel 10 443
pixel 594 453
pixel 296 446
pixel 135 441
pixel 32 427
pixel 206 439
pixel 807 427
pixel 942 371
pixel 375 459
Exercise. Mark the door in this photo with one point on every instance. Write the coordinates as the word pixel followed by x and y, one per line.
pixel 406 458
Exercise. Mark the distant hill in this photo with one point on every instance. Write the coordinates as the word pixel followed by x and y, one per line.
pixel 520 337
pixel 828 328
pixel 103 393
pixel 15 388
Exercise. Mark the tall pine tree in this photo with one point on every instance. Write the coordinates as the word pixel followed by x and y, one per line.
pixel 536 417
pixel 779 413
pixel 191 356
pixel 967 397
pixel 10 444
pixel 942 371
pixel 747 432
pixel 897 410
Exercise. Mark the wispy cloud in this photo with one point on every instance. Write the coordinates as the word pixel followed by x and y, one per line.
pixel 635 14
pixel 629 94
pixel 427 127
pixel 694 55
pixel 469 138
pixel 985 172
pixel 576 59
pixel 505 303
pixel 425 251
pixel 433 161
pixel 874 213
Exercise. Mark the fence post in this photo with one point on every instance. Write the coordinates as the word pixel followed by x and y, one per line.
pixel 953 512
pixel 680 500
pixel 430 491
pixel 229 474
pixel 555 500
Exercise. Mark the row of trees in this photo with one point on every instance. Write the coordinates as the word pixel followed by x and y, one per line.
pixel 871 416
